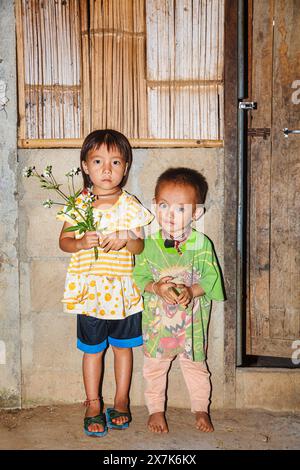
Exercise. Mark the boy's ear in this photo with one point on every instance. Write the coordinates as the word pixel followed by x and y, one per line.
pixel 198 212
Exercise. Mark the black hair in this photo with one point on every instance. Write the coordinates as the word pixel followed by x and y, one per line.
pixel 110 138
pixel 184 176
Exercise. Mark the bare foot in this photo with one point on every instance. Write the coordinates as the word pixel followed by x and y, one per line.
pixel 203 422
pixel 157 422
pixel 94 410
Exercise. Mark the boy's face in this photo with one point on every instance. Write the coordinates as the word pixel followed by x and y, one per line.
pixel 176 207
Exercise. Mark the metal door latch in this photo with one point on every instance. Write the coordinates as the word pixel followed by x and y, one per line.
pixel 287 131
pixel 247 105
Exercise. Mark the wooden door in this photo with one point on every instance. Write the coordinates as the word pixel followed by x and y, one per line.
pixel 273 297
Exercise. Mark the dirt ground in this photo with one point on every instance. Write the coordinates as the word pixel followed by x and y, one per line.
pixel 60 427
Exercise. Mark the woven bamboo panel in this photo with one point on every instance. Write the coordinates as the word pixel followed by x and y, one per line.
pixel 52 66
pixel 185 68
pixel 151 69
pixel 118 82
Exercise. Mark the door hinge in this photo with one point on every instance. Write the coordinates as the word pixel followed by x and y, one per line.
pixel 247 105
pixel 259 132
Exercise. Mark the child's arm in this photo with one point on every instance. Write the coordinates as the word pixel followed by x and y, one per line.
pixel 135 246
pixel 135 243
pixel 68 242
pixel 143 277
pixel 210 283
pixel 132 239
pixel 163 288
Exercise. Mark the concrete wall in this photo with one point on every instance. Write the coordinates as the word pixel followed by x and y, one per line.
pixel 271 389
pixel 51 365
pixel 10 371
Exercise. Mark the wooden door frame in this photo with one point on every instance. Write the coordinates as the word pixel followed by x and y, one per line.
pixel 230 199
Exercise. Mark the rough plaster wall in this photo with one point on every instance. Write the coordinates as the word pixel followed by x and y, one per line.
pixel 51 365
pixel 9 277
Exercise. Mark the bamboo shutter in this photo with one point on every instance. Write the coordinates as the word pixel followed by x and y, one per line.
pixel 150 69
pixel 118 63
pixel 49 69
pixel 185 69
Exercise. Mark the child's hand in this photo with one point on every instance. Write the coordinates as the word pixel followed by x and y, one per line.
pixel 89 240
pixel 114 241
pixel 163 289
pixel 185 296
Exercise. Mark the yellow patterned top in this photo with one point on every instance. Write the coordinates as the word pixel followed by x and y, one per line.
pixel 104 288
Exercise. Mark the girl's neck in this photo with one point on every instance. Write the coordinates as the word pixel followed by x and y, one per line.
pixel 106 199
pixel 100 194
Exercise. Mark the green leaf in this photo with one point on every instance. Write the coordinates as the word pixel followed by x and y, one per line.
pixel 82 225
pixel 72 229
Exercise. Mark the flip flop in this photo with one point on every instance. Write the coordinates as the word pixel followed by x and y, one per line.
pixel 111 413
pixel 99 419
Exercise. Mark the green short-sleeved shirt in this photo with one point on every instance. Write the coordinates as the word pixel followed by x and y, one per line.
pixel 169 330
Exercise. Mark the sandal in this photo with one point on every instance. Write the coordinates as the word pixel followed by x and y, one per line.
pixel 112 413
pixel 99 419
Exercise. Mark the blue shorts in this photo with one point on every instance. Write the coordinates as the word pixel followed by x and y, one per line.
pixel 95 334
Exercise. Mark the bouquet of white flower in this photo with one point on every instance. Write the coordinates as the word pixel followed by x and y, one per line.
pixel 84 212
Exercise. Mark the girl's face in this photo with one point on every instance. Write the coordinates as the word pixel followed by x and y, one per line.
pixel 106 169
pixel 176 207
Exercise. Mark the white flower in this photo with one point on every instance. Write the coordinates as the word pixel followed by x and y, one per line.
pixel 48 203
pixel 48 171
pixel 73 172
pixel 88 198
pixel 28 171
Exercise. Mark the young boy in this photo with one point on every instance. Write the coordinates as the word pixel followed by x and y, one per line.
pixel 179 275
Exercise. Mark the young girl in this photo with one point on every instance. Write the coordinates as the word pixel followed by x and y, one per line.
pixel 179 275
pixel 101 291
